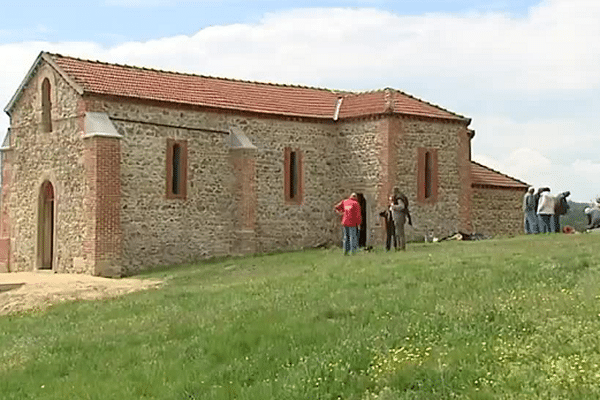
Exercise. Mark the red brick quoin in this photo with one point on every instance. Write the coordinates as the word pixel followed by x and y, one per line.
pixel 103 243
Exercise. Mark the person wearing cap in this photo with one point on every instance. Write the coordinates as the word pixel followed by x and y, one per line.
pixel 349 209
pixel 529 209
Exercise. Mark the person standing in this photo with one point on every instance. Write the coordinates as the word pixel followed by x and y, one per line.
pixel 390 230
pixel 400 213
pixel 529 210
pixel 545 211
pixel 593 214
pixel 561 207
pixel 349 209
pixel 536 201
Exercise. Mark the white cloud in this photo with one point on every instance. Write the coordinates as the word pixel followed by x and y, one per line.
pixel 561 140
pixel 581 177
pixel 587 166
pixel 547 50
pixel 524 164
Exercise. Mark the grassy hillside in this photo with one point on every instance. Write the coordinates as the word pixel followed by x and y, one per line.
pixel 500 319
pixel 575 217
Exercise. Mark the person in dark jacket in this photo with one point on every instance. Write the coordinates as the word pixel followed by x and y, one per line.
pixel 561 206
pixel 390 229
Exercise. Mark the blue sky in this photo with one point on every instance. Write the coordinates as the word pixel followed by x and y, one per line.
pixel 112 21
pixel 526 72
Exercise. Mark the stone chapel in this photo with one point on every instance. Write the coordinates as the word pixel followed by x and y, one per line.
pixel 110 169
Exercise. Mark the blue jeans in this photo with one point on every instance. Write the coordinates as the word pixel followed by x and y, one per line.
pixel 545 223
pixel 531 222
pixel 350 239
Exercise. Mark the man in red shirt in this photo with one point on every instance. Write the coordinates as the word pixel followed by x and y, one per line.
pixel 349 209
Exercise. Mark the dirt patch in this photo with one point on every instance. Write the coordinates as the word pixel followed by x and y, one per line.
pixel 22 291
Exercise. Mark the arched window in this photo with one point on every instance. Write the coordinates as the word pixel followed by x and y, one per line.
pixel 176 174
pixel 293 176
pixel 176 169
pixel 46 106
pixel 45 235
pixel 427 175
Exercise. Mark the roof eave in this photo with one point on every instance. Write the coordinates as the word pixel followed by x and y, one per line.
pixel 498 186
pixel 321 117
pixel 451 117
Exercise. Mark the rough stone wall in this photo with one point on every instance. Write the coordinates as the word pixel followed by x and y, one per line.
pixel 55 156
pixel 443 216
pixel 360 166
pixel 497 211
pixel 157 230
pixel 280 225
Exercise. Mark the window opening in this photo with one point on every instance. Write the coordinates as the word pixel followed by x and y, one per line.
pixel 46 106
pixel 46 226
pixel 428 174
pixel 176 178
pixel 293 175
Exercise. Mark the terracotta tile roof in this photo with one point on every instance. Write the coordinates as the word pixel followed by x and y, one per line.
pixel 149 84
pixel 391 101
pixel 484 176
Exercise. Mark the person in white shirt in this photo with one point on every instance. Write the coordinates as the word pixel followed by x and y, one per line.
pixel 545 211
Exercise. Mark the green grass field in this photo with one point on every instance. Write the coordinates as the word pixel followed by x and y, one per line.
pixel 500 319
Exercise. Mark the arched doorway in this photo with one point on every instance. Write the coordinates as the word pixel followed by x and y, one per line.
pixel 45 226
pixel 362 236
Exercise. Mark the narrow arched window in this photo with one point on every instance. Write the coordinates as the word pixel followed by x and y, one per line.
pixel 176 169
pixel 293 175
pixel 46 106
pixel 293 179
pixel 428 174
pixel 176 164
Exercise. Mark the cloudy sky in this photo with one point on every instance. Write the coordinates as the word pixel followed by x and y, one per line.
pixel 526 71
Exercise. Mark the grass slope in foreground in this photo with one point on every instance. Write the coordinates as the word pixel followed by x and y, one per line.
pixel 500 319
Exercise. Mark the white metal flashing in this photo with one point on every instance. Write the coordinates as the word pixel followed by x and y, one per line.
pixel 239 140
pixel 338 106
pixel 98 124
